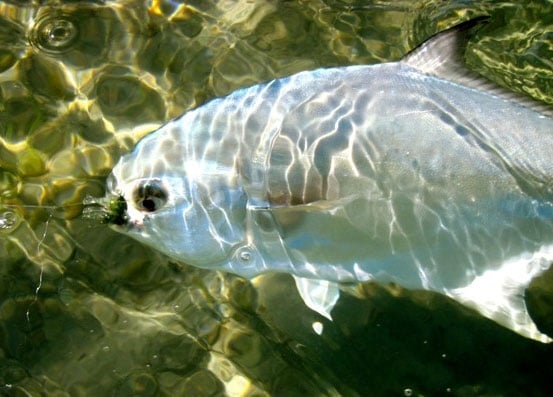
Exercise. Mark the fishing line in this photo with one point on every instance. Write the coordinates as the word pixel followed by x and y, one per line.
pixel 52 207
pixel 41 274
pixel 99 209
pixel 93 209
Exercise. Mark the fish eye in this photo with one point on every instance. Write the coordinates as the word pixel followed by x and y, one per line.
pixel 149 196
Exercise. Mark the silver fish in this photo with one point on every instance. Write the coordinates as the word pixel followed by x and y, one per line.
pixel 396 172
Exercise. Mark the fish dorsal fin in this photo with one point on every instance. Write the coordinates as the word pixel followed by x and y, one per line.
pixel 443 56
pixel 319 295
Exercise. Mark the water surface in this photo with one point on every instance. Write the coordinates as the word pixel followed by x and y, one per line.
pixel 87 312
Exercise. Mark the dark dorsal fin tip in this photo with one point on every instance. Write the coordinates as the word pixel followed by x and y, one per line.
pixel 444 52
pixel 443 56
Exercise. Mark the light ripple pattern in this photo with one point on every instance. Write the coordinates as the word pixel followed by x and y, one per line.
pixel 351 174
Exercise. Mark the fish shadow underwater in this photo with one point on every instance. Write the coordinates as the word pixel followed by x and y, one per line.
pixel 387 339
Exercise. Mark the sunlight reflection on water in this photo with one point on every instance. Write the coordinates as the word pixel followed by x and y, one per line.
pixel 82 82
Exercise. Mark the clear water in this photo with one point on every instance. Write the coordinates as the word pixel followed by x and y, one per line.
pixel 87 312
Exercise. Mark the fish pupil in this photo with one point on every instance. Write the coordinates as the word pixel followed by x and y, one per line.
pixel 150 196
pixel 148 205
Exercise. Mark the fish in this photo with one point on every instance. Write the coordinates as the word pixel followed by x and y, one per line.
pixel 415 172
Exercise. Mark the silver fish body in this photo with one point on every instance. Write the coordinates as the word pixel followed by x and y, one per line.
pixel 349 174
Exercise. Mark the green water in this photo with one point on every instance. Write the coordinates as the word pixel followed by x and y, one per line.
pixel 87 312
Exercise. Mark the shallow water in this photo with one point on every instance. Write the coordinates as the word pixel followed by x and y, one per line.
pixel 87 312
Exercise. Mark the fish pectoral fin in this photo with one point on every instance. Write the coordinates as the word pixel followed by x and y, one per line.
pixel 318 295
pixel 289 215
pixel 322 205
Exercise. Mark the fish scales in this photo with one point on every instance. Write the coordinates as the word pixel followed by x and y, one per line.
pixel 357 173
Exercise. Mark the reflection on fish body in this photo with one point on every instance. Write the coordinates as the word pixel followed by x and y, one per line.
pixel 358 173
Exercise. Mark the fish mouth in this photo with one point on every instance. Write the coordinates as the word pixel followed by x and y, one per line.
pixel 110 210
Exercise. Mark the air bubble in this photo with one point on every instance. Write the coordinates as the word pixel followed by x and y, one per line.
pixel 55 34
pixel 9 220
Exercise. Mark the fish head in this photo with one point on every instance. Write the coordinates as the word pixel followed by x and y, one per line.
pixel 197 216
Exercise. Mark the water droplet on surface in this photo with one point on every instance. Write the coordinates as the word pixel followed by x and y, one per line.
pixel 55 34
